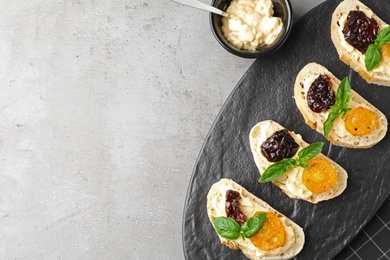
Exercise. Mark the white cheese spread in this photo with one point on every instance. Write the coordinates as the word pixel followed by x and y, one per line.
pixel 251 23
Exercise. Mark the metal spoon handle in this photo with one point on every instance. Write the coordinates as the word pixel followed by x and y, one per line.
pixel 202 6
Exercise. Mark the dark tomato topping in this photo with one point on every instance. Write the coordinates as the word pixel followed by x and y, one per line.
pixel 231 207
pixel 320 95
pixel 360 31
pixel 278 146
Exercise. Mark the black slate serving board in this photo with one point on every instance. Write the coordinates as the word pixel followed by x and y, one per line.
pixel 265 92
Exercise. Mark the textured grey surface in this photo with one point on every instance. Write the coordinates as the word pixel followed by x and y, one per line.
pixel 104 108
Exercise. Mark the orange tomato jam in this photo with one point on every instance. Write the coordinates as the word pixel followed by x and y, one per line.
pixel 271 235
pixel 320 177
pixel 360 121
pixel 386 50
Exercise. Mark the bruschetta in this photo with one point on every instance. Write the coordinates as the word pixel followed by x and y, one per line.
pixel 321 179
pixel 279 237
pixel 354 27
pixel 362 126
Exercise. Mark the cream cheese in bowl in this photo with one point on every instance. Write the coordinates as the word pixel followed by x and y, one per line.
pixel 254 28
pixel 251 23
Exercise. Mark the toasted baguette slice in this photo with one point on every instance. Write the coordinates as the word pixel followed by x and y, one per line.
pixel 291 182
pixel 249 205
pixel 338 134
pixel 351 56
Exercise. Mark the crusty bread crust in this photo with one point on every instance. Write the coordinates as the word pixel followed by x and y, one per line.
pixel 254 253
pixel 316 120
pixel 282 181
pixel 356 60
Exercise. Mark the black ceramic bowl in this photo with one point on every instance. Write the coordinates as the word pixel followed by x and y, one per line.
pixel 282 9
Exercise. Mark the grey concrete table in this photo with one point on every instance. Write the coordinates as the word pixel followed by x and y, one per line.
pixel 104 107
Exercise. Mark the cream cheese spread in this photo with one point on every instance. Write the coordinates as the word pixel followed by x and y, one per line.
pixel 251 23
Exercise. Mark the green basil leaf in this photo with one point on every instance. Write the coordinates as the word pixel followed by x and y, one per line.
pixel 253 225
pixel 329 122
pixel 383 36
pixel 373 56
pixel 277 169
pixel 309 152
pixel 343 94
pixel 227 227
pixel 335 108
pixel 304 165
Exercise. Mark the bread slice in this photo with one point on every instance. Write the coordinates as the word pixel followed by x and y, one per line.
pixel 249 204
pixel 338 134
pixel 291 182
pixel 348 54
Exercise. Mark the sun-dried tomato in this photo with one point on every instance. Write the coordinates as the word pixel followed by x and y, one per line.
pixel 320 95
pixel 360 31
pixel 278 146
pixel 231 207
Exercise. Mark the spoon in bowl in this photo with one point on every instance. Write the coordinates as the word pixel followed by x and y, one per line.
pixel 202 6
